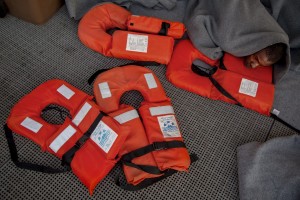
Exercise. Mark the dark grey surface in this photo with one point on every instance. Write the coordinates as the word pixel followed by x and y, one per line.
pixel 77 8
pixel 30 55
pixel 270 170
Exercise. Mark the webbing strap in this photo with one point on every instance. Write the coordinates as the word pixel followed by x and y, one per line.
pixel 94 75
pixel 24 165
pixel 140 63
pixel 209 73
pixel 156 146
pixel 221 64
pixel 149 181
pixel 164 28
pixel 61 111
pixel 68 156
pixel 223 91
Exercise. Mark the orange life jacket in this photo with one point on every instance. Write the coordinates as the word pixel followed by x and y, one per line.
pixel 231 82
pixel 127 43
pixel 88 143
pixel 155 144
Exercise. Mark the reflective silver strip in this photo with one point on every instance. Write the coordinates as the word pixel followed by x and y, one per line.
pixel 82 113
pixel 65 91
pixel 161 110
pixel 275 112
pixel 127 116
pixel 62 138
pixel 150 80
pixel 104 90
pixel 31 124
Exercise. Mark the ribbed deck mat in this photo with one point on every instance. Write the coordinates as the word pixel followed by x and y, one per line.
pixel 30 55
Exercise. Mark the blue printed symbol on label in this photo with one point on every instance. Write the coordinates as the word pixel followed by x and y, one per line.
pixel 104 136
pixel 168 126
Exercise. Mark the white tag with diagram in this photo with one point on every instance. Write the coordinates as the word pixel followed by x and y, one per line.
pixel 248 87
pixel 104 136
pixel 138 43
pixel 168 126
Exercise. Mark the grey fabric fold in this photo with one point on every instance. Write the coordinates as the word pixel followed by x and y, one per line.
pixel 270 170
pixel 77 8
pixel 239 27
pixel 287 92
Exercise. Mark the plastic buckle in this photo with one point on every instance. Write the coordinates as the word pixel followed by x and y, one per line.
pixel 81 141
pixel 159 146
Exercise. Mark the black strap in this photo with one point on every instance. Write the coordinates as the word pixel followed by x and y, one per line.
pixel 140 63
pixel 285 123
pixel 221 64
pixel 149 181
pixel 164 28
pixel 156 146
pixel 223 91
pixel 94 76
pixel 24 165
pixel 209 73
pixel 68 156
pixel 61 111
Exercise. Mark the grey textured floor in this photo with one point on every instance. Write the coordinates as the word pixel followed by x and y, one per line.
pixel 30 55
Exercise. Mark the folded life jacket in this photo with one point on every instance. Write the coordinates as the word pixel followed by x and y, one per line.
pixel 88 143
pixel 231 82
pixel 154 147
pixel 136 38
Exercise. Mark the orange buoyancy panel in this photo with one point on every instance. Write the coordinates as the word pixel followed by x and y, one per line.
pixel 249 92
pixel 141 46
pixel 161 125
pixel 129 117
pixel 156 113
pixel 111 85
pixel 236 64
pixel 94 24
pixel 155 25
pixel 179 69
pixel 78 142
pixel 92 32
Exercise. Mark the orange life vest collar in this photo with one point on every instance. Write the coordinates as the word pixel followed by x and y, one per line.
pixel 136 38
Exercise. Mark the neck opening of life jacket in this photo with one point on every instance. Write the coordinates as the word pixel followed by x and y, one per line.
pixel 226 79
pixel 135 37
pixel 88 142
pixel 154 148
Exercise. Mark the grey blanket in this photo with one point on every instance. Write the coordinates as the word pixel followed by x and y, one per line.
pixel 77 8
pixel 242 27
pixel 287 92
pixel 271 170
pixel 239 27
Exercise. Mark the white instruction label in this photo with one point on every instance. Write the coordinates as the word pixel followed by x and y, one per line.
pixel 138 43
pixel 248 87
pixel 168 126
pixel 104 136
pixel 65 91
